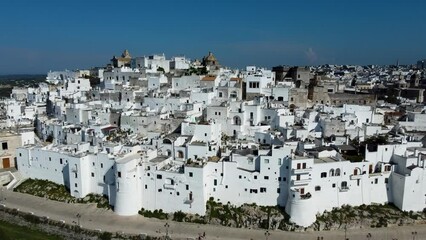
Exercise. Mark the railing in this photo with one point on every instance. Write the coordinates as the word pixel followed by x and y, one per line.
pixel 188 201
pixel 344 189
pixel 305 196
pixel 169 186
pixel 301 170
pixel 354 177
pixel 301 182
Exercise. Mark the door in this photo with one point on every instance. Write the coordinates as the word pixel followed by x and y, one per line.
pixel 6 163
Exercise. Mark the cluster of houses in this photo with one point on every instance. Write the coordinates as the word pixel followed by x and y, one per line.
pixel 170 134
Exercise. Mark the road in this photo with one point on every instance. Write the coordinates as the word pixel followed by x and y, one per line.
pixel 106 220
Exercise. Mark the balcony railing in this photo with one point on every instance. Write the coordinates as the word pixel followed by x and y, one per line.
pixel 301 182
pixel 306 196
pixel 354 177
pixel 301 170
pixel 344 189
pixel 169 186
pixel 188 201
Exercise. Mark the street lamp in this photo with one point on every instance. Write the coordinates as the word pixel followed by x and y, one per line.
pixel 167 230
pixel 368 235
pixel 267 234
pixel 346 230
pixel 78 218
pixel 414 235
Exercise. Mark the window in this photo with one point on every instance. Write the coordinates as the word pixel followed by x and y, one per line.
pixel 160 190
pixel 255 177
pixel 187 187
pixel 387 168
pixel 344 185
pixel 226 186
pixel 220 94
pixel 278 190
pixel 119 174
pixel 376 181
pixel 262 189
pixel 159 176
pixel 75 184
pixel 317 188
pixel 215 182
pixel 191 174
pixel 50 159
pixel 93 174
pixel 284 179
pixel 298 166
pixel 323 175
pixel 146 186
pixel 102 165
pixel 239 177
pixel 266 177
pixel 60 160
pixel 386 180
pixel 279 161
pixel 333 185
pixel 266 161
pixel 93 163
pixel 279 179
pixel 337 172
pixel 304 165
pixel 254 85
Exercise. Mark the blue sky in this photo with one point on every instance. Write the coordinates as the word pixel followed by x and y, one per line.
pixel 43 35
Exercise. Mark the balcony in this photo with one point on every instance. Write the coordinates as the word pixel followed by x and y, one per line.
pixel 355 177
pixel 305 196
pixel 344 189
pixel 301 182
pixel 188 201
pixel 301 170
pixel 169 186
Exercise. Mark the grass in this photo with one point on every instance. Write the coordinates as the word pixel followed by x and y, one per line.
pixel 10 231
pixel 57 192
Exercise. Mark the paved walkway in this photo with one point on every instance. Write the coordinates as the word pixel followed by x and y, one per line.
pixel 106 220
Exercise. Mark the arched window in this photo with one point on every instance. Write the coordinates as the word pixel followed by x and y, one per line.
pixel 180 154
pixel 337 173
pixel 331 174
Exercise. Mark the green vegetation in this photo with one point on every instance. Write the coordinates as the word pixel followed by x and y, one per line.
pixel 53 191
pixel 370 215
pixel 155 214
pixel 7 82
pixel 196 71
pixel 15 232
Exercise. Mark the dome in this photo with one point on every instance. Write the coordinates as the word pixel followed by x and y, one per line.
pixel 210 60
